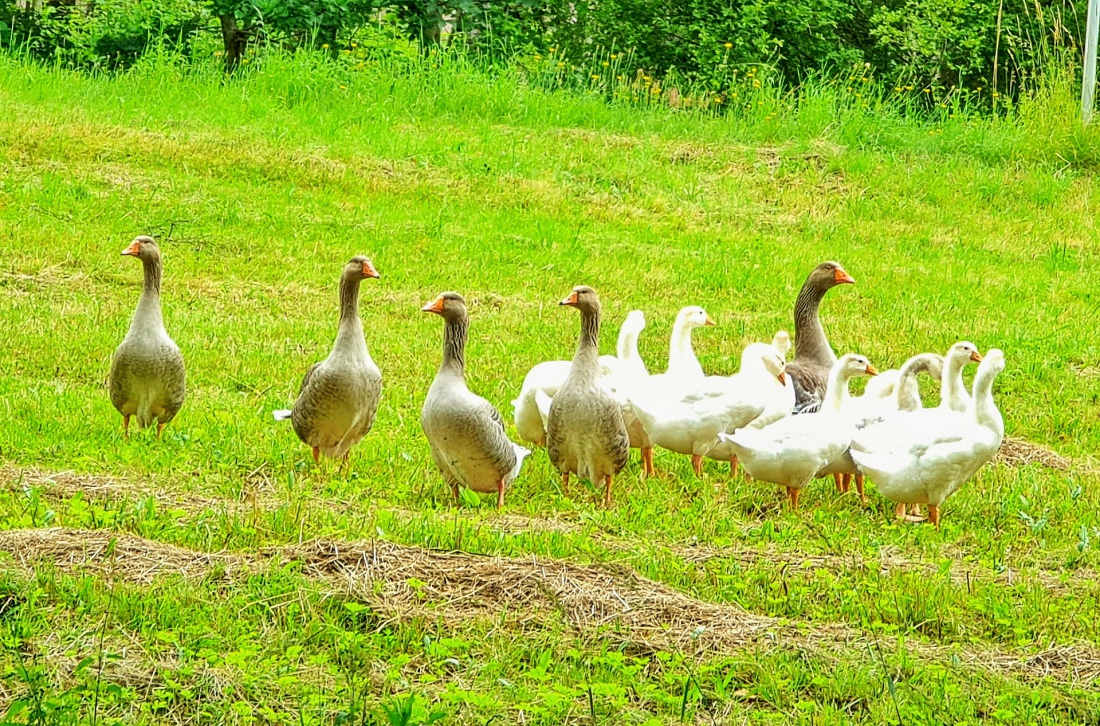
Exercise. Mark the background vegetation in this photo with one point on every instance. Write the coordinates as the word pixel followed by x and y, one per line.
pixel 985 47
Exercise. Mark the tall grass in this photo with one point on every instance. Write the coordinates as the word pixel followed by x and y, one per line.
pixel 308 92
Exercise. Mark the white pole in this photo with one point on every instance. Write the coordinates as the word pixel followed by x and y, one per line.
pixel 1088 82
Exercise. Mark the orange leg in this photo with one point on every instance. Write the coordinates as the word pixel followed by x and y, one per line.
pixel 647 461
pixel 160 429
pixel 792 494
pixel 454 491
pixel 733 466
pixel 838 480
pixel 126 427
pixel 899 511
pixel 565 484
pixel 697 465
pixel 934 514
pixel 316 455
pixel 859 489
pixel 607 492
pixel 500 494
pixel 914 509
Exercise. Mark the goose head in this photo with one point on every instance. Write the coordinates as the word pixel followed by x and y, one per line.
pixel 828 275
pixel 144 248
pixel 360 268
pixel 634 322
pixel 852 365
pixel 692 317
pixel 964 352
pixel 448 305
pixel 933 365
pixel 583 298
pixel 993 361
pixel 782 342
pixel 776 366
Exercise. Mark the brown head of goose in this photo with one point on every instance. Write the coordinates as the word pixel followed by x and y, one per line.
pixel 813 356
pixel 585 433
pixel 339 396
pixel 465 432
pixel 147 378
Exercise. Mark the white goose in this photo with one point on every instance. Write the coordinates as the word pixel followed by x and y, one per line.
pixel 907 423
pixel 764 367
pixel 683 365
pixel 791 451
pixel 690 424
pixel 930 469
pixel 902 395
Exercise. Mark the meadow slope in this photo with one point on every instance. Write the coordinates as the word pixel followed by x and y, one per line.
pixel 198 579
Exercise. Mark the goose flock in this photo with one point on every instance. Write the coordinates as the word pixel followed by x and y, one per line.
pixel 786 422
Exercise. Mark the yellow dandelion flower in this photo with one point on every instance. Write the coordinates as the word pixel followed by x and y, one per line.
pixel 561 65
pixel 553 50
pixel 897 89
pixel 354 45
pixel 324 46
pixel 595 78
pixel 727 46
pixel 978 89
pixel 927 90
pixel 908 88
pixel 538 57
pixel 755 83
pixel 605 64
pixel 343 88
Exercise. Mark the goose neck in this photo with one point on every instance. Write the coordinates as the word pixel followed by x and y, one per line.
pixel 836 392
pixel 809 337
pixel 454 345
pixel 148 313
pixel 349 335
pixel 982 406
pixel 587 359
pixel 952 388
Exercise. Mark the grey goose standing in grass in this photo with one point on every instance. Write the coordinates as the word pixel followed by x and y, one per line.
pixel 147 377
pixel 585 433
pixel 339 396
pixel 813 357
pixel 465 432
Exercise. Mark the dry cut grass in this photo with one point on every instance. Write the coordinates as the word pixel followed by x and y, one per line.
pixel 401 582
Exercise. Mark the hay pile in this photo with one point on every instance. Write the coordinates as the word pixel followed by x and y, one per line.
pixel 400 582
pixel 1017 452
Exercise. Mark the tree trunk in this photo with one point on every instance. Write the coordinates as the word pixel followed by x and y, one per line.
pixel 235 41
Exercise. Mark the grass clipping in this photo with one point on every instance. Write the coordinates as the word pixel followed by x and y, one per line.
pixel 401 582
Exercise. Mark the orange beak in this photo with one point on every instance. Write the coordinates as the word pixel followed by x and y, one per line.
pixel 710 322
pixel 369 271
pixel 782 378
pixel 841 277
pixel 976 357
pixel 871 370
pixel 133 249
pixel 571 300
pixel 435 306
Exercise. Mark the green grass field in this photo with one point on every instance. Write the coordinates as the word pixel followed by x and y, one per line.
pixel 183 581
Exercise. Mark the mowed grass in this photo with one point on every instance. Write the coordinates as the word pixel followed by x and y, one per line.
pixel 260 189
